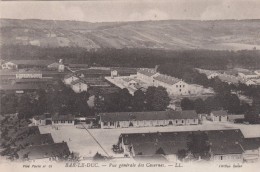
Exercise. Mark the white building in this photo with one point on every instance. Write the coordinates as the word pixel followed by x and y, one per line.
pixel 9 65
pixel 63 120
pixel 219 116
pixel 39 120
pixel 68 79
pixel 146 75
pixel 248 75
pixel 209 73
pixel 28 75
pixel 173 85
pixel 79 86
pixel 148 119
pixel 114 73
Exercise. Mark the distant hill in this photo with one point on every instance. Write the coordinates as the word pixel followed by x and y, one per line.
pixel 170 34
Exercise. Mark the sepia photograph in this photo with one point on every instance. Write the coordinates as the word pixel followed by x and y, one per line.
pixel 130 85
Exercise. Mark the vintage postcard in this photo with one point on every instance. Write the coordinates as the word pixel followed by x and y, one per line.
pixel 130 85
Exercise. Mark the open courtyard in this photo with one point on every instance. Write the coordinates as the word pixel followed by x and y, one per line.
pixel 87 142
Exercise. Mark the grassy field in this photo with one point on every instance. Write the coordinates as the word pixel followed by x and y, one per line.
pixel 80 141
pixel 172 34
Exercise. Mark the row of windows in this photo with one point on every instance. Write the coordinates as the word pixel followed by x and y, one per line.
pixel 180 86
pixel 151 122
pixel 56 122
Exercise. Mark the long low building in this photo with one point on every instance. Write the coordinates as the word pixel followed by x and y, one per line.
pixel 148 119
pixel 224 145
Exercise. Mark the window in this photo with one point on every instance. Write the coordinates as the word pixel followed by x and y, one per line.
pixel 182 121
pixel 194 120
pixel 105 124
pixel 112 124
pixel 176 86
pixel 180 90
pixel 183 86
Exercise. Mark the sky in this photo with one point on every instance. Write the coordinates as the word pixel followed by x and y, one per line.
pixel 131 10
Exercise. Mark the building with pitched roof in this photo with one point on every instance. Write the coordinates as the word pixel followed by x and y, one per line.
pixel 33 140
pixel 70 78
pixel 224 144
pixel 79 86
pixel 219 116
pixel 173 85
pixel 209 73
pixel 63 120
pixel 44 153
pixel 251 148
pixel 248 75
pixel 148 119
pixel 146 75
pixel 17 64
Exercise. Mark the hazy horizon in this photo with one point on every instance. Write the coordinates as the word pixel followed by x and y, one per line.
pixel 127 11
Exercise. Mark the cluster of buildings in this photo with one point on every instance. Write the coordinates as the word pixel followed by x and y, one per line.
pixel 234 76
pixel 148 119
pixel 224 145
pixel 150 77
pixel 42 64
pixel 79 82
pixel 112 120
pixel 20 76
pixel 35 146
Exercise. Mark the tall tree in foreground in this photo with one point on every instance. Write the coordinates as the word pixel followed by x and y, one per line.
pixel 198 145
pixel 187 104
pixel 157 99
pixel 138 101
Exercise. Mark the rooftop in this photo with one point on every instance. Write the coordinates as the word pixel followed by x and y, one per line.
pixel 219 113
pixel 167 79
pixel 154 115
pixel 221 141
pixel 77 81
pixel 33 140
pixel 251 143
pixel 32 62
pixel 63 117
pixel 147 72
pixel 44 151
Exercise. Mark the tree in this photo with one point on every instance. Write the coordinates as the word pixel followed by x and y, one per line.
pixel 81 105
pixel 124 102
pixel 181 154
pixel 198 145
pixel 24 107
pixel 157 98
pixel 41 102
pixel 149 97
pixel 199 106
pixel 138 101
pixel 187 104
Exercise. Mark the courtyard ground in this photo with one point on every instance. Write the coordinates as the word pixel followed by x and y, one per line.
pixel 81 141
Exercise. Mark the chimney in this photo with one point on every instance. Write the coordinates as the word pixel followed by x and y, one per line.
pixel 156 68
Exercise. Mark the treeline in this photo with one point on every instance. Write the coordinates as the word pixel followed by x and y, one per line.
pixel 190 75
pixel 154 99
pixel 225 98
pixel 56 100
pixel 133 57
